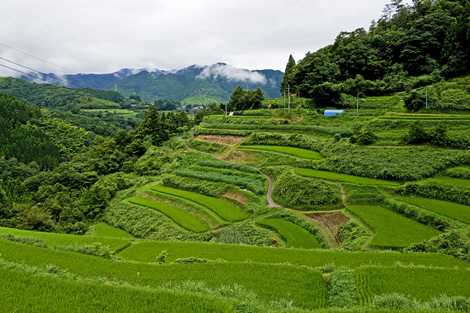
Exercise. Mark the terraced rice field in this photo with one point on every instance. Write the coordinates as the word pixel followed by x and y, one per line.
pixel 453 210
pixel 345 178
pixel 292 151
pixel 295 236
pixel 303 286
pixel 416 282
pixel 391 229
pixel 177 215
pixel 420 116
pixel 105 230
pixel 444 180
pixel 51 294
pixel 226 209
pixel 147 251
pixel 65 240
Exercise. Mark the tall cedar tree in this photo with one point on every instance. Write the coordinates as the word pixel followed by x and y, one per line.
pixel 287 80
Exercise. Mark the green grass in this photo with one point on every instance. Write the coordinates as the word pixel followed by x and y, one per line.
pixel 391 229
pixel 177 215
pixel 124 112
pixel 294 235
pixel 147 251
pixel 423 116
pixel 226 209
pixel 304 287
pixel 105 230
pixel 296 152
pixel 345 178
pixel 415 282
pixel 453 210
pixel 32 293
pixel 65 240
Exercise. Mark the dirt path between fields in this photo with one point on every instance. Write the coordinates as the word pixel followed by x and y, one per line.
pixel 269 195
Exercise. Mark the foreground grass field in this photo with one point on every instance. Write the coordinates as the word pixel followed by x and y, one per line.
pixel 391 229
pixel 45 294
pixel 295 236
pixel 222 207
pixel 292 151
pixel 305 287
pixel 345 178
pixel 418 283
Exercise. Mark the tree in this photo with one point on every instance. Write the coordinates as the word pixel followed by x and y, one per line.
pixel 287 80
pixel 242 99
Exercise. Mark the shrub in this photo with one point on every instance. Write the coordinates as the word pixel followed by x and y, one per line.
pixel 415 102
pixel 342 290
pixel 416 135
pixel 460 304
pixel 393 301
pixel 161 258
pixel 306 193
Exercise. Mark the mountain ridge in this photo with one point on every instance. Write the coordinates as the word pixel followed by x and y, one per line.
pixel 215 82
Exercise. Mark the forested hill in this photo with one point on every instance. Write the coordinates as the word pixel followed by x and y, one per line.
pixel 192 85
pixel 407 47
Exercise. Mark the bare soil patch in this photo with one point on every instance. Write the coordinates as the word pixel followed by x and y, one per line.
pixel 226 140
pixel 235 196
pixel 331 220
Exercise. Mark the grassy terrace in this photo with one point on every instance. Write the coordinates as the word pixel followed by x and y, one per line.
pixel 226 209
pixel 418 283
pixel 147 251
pixel 295 236
pixel 453 210
pixel 345 178
pixel 105 230
pixel 305 287
pixel 65 240
pixel 391 229
pixel 421 116
pixel 292 151
pixel 178 215
pixel 444 180
pixel 40 294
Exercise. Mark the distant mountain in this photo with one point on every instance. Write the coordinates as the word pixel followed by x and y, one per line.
pixel 194 83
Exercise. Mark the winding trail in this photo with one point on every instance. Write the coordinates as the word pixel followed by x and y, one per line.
pixel 269 195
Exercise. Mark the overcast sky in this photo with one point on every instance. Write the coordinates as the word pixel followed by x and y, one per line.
pixel 105 35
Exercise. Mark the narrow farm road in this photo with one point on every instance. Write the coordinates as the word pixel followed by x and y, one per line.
pixel 269 195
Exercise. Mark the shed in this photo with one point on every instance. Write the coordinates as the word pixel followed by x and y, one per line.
pixel 332 113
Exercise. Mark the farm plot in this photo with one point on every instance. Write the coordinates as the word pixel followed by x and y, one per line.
pixel 345 178
pixel 50 294
pixel 294 235
pixel 303 286
pixel 422 116
pixel 444 180
pixel 292 151
pixel 63 240
pixel 391 229
pixel 226 140
pixel 453 210
pixel 415 282
pixel 253 183
pixel 147 251
pixel 177 215
pixel 226 209
pixel 105 230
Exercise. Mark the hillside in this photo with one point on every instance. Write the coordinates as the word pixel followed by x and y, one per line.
pixel 410 46
pixel 212 83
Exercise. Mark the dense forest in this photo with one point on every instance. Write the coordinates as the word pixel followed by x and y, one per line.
pixel 409 46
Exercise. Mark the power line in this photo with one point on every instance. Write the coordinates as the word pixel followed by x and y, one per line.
pixel 20 65
pixel 32 56
pixel 13 69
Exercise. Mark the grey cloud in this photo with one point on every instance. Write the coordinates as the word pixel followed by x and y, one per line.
pixel 106 35
pixel 232 73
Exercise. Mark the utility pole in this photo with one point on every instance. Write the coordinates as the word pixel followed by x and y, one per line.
pixel 357 103
pixel 226 109
pixel 288 94
pixel 426 98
